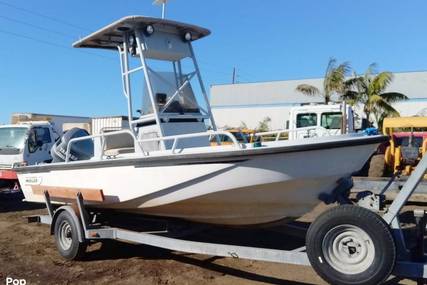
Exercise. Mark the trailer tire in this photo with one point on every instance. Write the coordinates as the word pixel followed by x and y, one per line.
pixel 376 166
pixel 67 237
pixel 351 245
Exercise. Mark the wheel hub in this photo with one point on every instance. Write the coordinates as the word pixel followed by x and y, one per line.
pixel 348 249
pixel 351 247
pixel 65 236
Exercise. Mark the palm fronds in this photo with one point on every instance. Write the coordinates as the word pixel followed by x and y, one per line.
pixel 308 89
pixel 381 81
pixel 333 82
pixel 392 97
pixel 368 90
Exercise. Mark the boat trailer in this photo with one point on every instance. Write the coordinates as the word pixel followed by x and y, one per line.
pixel 74 226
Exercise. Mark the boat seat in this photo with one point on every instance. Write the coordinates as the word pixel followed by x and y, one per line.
pixel 119 144
pixel 117 151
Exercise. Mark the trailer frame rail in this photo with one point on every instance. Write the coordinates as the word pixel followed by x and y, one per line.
pixel 407 265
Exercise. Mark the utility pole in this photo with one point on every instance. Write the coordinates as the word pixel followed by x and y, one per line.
pixel 234 76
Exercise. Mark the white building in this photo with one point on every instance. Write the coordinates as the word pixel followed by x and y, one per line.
pixel 250 103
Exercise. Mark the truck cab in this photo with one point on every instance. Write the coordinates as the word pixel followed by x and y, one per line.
pixel 28 139
pixel 319 120
pixel 23 144
pixel 26 143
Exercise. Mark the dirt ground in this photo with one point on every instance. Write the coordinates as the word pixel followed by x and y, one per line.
pixel 27 251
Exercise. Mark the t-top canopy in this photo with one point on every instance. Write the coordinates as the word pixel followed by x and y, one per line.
pixel 111 36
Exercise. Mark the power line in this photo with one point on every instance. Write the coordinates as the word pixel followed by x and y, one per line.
pixel 63 34
pixel 41 40
pixel 35 26
pixel 203 64
pixel 224 74
pixel 51 44
pixel 43 16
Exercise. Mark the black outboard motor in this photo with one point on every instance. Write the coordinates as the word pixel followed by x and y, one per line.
pixel 80 150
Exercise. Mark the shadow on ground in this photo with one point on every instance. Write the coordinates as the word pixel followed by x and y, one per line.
pixel 120 250
pixel 12 202
pixel 271 238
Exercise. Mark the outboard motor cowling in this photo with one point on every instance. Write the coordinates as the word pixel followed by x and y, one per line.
pixel 80 150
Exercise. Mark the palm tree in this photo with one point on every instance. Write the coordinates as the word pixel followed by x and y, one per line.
pixel 333 82
pixel 263 125
pixel 368 90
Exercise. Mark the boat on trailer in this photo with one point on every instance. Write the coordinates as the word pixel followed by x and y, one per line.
pixel 164 164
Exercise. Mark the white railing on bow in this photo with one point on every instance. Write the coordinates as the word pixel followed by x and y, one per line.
pixel 138 143
pixel 177 138
pixel 277 133
pixel 311 132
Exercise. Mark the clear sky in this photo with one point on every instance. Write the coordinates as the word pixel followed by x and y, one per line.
pixel 264 40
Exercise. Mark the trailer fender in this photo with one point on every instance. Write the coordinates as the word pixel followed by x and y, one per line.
pixel 75 219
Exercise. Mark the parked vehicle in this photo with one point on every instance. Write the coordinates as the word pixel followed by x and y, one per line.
pixel 28 141
pixel 314 120
pixel 406 146
pixel 320 120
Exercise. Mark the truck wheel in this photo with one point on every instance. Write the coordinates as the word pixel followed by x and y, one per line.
pixel 376 166
pixel 351 245
pixel 66 237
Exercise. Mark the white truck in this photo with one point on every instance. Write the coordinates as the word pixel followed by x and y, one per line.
pixel 28 140
pixel 320 120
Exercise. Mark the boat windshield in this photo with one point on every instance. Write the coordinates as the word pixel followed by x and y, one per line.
pixel 12 138
pixel 165 85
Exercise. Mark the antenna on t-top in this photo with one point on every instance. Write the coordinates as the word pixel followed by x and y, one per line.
pixel 163 3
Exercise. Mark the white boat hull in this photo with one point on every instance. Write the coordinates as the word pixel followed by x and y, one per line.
pixel 241 190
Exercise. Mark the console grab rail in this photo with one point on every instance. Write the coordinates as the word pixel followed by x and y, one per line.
pixel 279 132
pixel 175 139
pixel 102 135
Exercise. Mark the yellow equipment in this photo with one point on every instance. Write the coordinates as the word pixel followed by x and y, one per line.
pixel 407 145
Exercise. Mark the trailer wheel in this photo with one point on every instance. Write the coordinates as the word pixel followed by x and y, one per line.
pixel 66 237
pixel 351 245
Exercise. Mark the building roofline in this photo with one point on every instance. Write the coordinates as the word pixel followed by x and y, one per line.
pixel 301 79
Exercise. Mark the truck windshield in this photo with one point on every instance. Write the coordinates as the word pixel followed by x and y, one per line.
pixel 306 120
pixel 12 138
pixel 331 120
